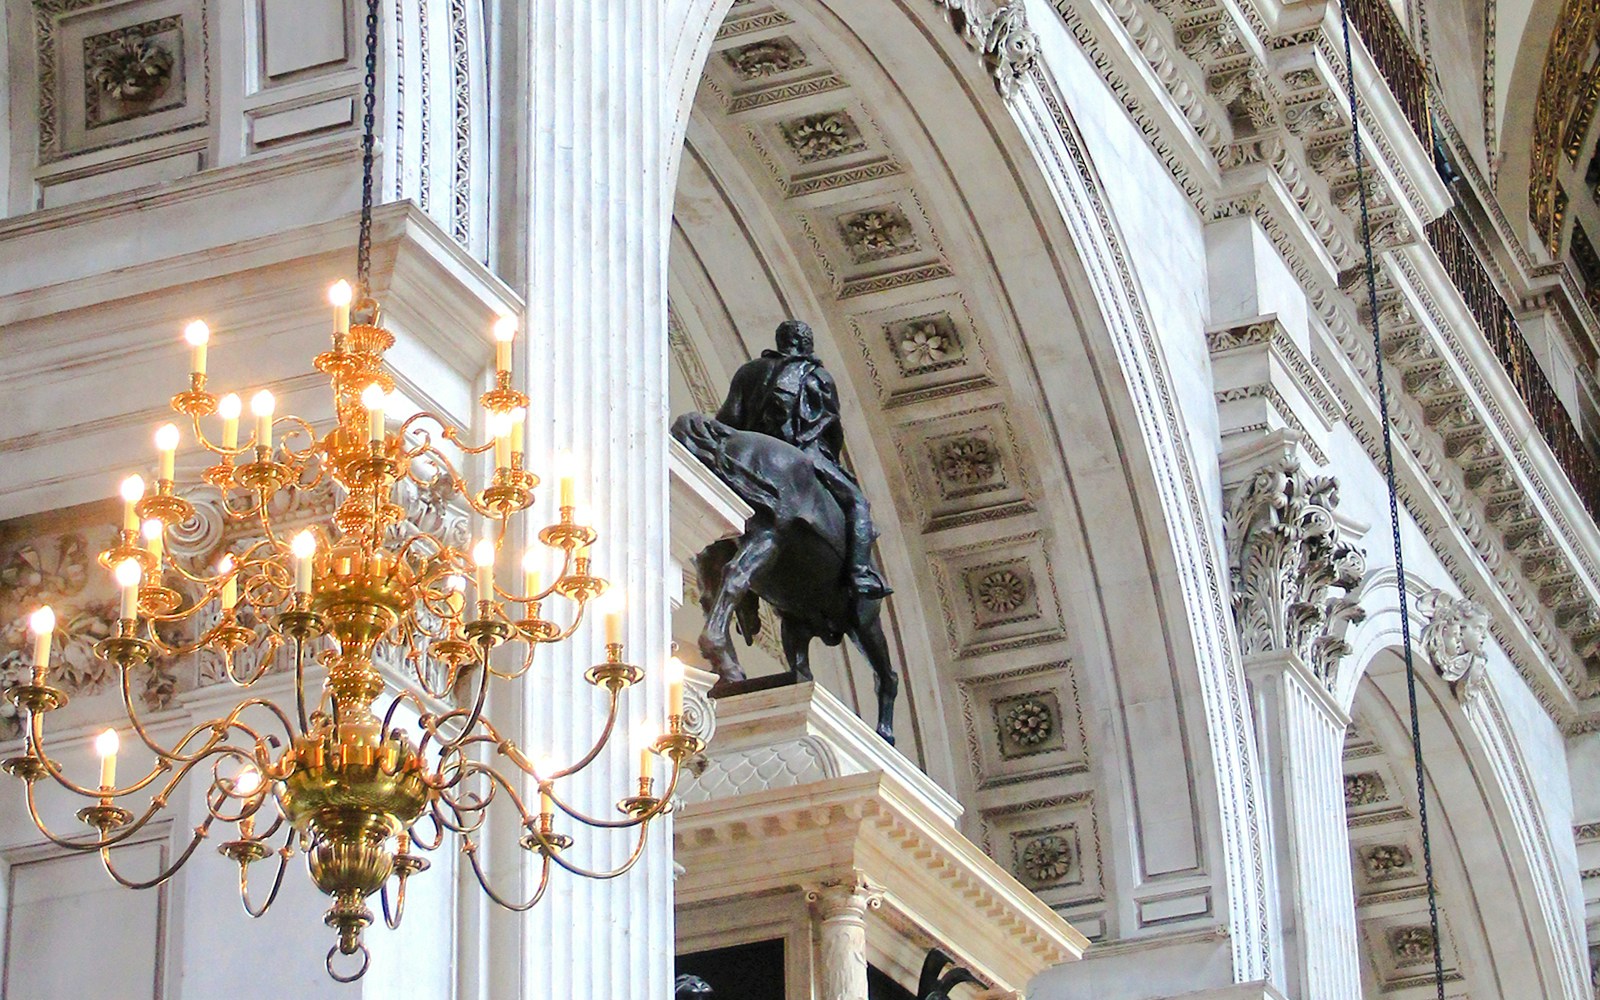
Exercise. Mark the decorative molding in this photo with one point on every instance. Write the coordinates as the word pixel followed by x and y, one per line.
pixel 1294 574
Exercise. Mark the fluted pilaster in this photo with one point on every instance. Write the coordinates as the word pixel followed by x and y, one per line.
pixel 596 361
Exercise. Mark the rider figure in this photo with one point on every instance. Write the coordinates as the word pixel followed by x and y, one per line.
pixel 787 394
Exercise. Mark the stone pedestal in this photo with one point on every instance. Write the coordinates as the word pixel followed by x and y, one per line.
pixel 803 825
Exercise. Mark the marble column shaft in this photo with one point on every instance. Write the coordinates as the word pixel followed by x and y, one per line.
pixel 841 909
pixel 595 356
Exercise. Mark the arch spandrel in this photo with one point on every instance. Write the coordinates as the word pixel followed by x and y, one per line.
pixel 985 248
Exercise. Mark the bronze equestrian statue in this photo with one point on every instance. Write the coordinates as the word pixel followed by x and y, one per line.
pixel 807 549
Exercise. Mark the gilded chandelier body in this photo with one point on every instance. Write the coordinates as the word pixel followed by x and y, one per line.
pixel 369 775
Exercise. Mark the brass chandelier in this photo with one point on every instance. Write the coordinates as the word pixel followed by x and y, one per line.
pixel 371 774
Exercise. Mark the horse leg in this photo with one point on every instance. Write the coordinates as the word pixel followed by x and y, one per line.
pixel 735 579
pixel 797 648
pixel 869 639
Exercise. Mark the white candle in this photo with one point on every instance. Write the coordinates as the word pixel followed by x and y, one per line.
pixel 500 429
pixel 230 586
pixel 154 531
pixel 132 492
pixel 530 574
pixel 128 573
pixel 372 399
pixel 340 295
pixel 304 548
pixel 43 625
pixel 505 330
pixel 167 445
pixel 564 470
pixel 646 739
pixel 262 405
pixel 613 605
pixel 674 686
pixel 519 423
pixel 106 746
pixel 230 407
pixel 483 558
pixel 198 335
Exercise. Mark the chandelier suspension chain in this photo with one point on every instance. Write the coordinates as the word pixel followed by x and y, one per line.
pixel 1394 504
pixel 369 103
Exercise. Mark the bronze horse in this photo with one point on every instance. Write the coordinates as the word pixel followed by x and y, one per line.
pixel 791 555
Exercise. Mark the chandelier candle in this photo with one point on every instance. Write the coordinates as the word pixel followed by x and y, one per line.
pixel 42 623
pixel 261 407
pixel 106 746
pixel 128 575
pixel 167 446
pixel 372 398
pixel 198 335
pixel 153 531
pixel 340 295
pixel 505 330
pixel 228 408
pixel 229 597
pixel 132 492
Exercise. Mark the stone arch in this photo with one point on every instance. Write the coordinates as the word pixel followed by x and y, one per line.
pixel 1492 850
pixel 1061 369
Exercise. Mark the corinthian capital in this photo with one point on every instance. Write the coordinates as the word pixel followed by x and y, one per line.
pixel 1294 573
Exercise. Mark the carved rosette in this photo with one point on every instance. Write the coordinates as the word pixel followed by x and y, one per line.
pixel 1294 576
pixel 1454 639
pixel 841 907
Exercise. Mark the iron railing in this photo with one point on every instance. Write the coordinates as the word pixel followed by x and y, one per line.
pixel 1499 324
pixel 1386 41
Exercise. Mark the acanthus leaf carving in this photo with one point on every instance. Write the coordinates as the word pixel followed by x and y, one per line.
pixel 1294 574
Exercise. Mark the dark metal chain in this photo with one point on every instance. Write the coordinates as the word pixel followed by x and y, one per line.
pixel 1394 508
pixel 369 103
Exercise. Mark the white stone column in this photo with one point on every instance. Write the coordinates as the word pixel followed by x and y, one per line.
pixel 595 356
pixel 841 934
pixel 1301 729
pixel 1294 575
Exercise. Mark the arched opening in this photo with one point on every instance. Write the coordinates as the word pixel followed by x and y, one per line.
pixel 1496 934
pixel 857 170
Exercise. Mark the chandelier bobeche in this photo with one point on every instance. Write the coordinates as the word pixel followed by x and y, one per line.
pixel 364 785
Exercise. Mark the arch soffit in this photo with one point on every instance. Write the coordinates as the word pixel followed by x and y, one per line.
pixel 1486 850
pixel 1028 162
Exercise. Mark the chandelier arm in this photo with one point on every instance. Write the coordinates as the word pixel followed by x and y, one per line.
pixel 165 874
pixel 161 766
pixel 438 833
pixel 472 718
pixel 514 754
pixel 218 727
pixel 217 449
pixel 623 869
pixel 273 641
pixel 84 846
pixel 527 662
pixel 277 878
pixel 470 848
pixel 661 805
pixel 416 657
